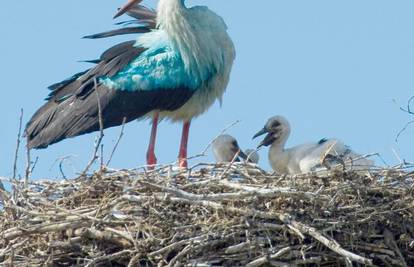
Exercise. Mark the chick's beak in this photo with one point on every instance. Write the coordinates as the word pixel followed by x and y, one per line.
pixel 268 140
pixel 243 155
pixel 126 7
pixel 261 132
pixel 238 152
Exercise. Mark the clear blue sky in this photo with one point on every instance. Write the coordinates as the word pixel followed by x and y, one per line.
pixel 333 68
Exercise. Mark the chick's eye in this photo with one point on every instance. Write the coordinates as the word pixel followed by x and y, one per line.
pixel 235 144
pixel 275 124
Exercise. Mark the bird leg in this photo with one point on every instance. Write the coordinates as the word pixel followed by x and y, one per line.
pixel 182 156
pixel 151 159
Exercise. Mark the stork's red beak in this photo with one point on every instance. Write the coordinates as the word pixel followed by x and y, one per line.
pixel 126 7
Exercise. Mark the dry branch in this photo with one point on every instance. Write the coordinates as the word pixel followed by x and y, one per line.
pixel 221 215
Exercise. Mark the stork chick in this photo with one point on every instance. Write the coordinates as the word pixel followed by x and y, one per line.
pixel 306 157
pixel 226 149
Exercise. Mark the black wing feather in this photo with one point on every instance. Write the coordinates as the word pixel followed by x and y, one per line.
pixel 145 19
pixel 122 31
pixel 144 14
pixel 72 107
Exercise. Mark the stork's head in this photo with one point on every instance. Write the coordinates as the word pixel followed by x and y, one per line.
pixel 127 7
pixel 226 148
pixel 277 128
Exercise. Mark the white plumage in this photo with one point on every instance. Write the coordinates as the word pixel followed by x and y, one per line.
pixel 202 40
pixel 226 148
pixel 252 155
pixel 306 157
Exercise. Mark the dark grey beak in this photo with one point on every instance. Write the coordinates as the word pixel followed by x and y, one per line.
pixel 268 140
pixel 261 132
pixel 237 151
pixel 242 154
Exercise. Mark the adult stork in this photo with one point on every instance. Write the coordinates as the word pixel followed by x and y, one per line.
pixel 176 69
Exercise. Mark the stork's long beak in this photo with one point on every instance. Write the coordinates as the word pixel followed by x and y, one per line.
pixel 261 132
pixel 243 155
pixel 126 7
pixel 268 140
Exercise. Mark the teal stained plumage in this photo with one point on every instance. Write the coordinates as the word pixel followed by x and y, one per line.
pixel 160 67
pixel 177 68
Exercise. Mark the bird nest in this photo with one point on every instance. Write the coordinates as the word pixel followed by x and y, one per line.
pixel 211 215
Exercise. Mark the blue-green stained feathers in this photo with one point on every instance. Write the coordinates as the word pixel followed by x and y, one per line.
pixel 72 105
pixel 179 66
pixel 159 67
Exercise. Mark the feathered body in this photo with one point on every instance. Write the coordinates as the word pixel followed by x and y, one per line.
pixel 178 67
pixel 307 157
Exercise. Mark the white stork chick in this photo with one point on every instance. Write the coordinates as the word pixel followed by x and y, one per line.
pixel 226 149
pixel 306 157
pixel 252 155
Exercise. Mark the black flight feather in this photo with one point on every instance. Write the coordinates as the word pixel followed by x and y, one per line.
pixel 72 105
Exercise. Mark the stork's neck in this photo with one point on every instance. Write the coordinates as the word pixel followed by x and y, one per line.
pixel 280 142
pixel 178 22
pixel 170 13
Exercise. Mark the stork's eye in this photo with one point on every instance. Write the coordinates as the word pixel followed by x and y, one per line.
pixel 235 144
pixel 275 124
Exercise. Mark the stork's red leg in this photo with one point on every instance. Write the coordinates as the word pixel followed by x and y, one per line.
pixel 151 159
pixel 182 156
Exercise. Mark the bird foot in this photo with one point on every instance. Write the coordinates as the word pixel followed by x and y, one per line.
pixel 182 163
pixel 151 161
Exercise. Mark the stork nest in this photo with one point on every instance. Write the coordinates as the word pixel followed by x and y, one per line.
pixel 211 215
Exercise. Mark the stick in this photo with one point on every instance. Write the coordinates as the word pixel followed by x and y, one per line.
pixel 121 134
pixel 18 141
pixel 28 168
pixel 330 243
pixel 403 130
pixel 110 257
pixel 263 260
pixel 48 227
pixel 101 132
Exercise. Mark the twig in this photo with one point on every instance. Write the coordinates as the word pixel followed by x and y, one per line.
pixel 28 167
pixel 121 134
pixel 34 164
pixel 409 111
pixel 175 245
pixel 263 260
pixel 181 254
pixel 302 262
pixel 110 257
pixel 403 130
pixel 390 241
pixel 101 132
pixel 330 243
pixel 47 227
pixel 18 141
pixel 102 158
pixel 61 168
pixel 408 108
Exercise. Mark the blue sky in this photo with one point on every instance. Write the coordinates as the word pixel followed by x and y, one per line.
pixel 333 68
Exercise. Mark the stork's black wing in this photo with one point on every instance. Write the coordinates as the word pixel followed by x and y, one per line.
pixel 72 107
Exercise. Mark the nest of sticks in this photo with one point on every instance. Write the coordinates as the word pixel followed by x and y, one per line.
pixel 211 215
